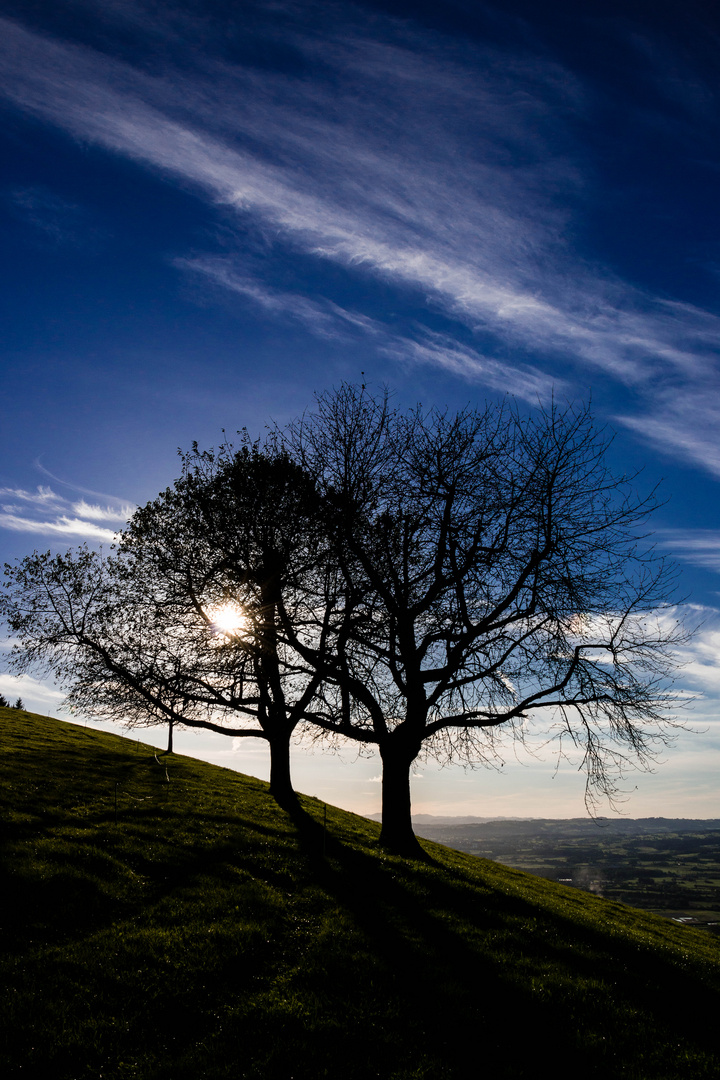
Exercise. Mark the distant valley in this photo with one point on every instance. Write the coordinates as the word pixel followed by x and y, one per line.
pixel 664 865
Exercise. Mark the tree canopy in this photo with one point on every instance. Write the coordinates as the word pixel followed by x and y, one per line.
pixel 174 626
pixel 497 572
pixel 419 581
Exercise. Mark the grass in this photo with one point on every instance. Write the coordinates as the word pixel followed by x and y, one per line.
pixel 192 932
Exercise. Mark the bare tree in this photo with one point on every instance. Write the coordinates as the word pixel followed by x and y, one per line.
pixel 420 581
pixel 239 532
pixel 174 627
pixel 99 627
pixel 494 571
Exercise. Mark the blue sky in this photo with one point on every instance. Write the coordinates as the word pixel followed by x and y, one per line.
pixel 211 211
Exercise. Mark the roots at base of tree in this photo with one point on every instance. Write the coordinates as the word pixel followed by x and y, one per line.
pixel 287 801
pixel 407 846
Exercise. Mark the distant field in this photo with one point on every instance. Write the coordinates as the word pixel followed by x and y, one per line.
pixel 667 866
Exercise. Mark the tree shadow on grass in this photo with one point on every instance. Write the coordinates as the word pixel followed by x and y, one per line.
pixel 504 974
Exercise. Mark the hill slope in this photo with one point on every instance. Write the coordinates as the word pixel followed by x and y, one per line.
pixel 192 932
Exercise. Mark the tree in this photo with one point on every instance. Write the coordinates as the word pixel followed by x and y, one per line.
pixel 4 703
pixel 19 704
pixel 494 570
pixel 240 531
pixel 420 581
pixel 87 620
pixel 145 634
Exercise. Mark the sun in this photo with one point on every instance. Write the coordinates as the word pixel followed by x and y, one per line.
pixel 228 618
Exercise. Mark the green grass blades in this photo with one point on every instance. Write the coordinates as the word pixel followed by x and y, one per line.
pixel 164 919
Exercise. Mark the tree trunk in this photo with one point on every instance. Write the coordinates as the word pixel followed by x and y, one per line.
pixel 281 787
pixel 397 832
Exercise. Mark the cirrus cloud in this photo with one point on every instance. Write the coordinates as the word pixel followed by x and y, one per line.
pixel 46 513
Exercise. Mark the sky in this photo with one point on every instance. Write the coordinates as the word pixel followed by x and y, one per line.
pixel 211 212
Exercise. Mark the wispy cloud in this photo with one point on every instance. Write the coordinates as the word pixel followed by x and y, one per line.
pixel 43 497
pixel 62 527
pixel 701 655
pixel 436 350
pixel 56 221
pixel 327 319
pixel 698 546
pixel 424 194
pixel 684 419
pixel 46 513
pixel 322 318
pixel 103 513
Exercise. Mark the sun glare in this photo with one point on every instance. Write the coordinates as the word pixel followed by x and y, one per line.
pixel 228 618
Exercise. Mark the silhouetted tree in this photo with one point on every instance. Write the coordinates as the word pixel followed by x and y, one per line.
pixel 493 571
pixel 87 620
pixel 240 530
pixel 142 635
pixel 4 703
pixel 416 580
pixel 19 704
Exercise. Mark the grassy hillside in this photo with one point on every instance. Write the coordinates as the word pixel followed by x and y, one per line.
pixel 193 933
